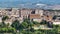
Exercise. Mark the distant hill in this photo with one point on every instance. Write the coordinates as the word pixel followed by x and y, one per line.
pixel 28 3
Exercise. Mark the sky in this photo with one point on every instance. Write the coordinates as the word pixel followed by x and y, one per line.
pixel 27 3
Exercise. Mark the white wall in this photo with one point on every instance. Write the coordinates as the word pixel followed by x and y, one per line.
pixel 56 23
pixel 38 20
pixel 0 19
pixel 39 12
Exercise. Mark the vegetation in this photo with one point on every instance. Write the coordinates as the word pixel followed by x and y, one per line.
pixel 43 22
pixel 4 18
pixel 54 17
pixel 16 24
pixel 2 24
pixel 24 24
pixel 34 22
pixel 7 30
pixel 26 27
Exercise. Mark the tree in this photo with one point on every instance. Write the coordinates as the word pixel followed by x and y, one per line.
pixel 24 24
pixel 4 18
pixel 2 24
pixel 7 30
pixel 7 25
pixel 34 22
pixel 16 24
pixel 26 20
pixel 54 17
pixel 32 29
pixel 29 23
pixel 43 22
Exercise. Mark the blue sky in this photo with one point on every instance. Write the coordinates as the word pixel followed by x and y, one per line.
pixel 35 1
pixel 16 3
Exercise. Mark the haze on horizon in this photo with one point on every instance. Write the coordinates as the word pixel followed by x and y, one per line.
pixel 27 3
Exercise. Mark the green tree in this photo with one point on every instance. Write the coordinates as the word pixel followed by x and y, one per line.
pixel 32 29
pixel 2 24
pixel 34 22
pixel 54 17
pixel 24 24
pixel 7 30
pixel 29 23
pixel 4 18
pixel 26 20
pixel 43 22
pixel 7 25
pixel 16 24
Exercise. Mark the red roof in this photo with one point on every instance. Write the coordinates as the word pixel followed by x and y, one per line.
pixel 34 16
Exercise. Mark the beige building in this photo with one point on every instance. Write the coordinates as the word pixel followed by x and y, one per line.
pixel 25 12
pixel 35 17
pixel 39 11
pixel 32 14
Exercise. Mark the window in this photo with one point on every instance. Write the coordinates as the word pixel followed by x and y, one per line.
pixel 9 9
pixel 33 12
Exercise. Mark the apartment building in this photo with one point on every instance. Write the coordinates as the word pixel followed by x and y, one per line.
pixel 36 15
pixel 25 12
pixel 53 13
pixel 33 14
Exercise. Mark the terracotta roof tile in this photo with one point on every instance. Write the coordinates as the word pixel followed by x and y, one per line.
pixel 34 16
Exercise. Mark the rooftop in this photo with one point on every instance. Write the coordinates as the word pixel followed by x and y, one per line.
pixel 34 16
